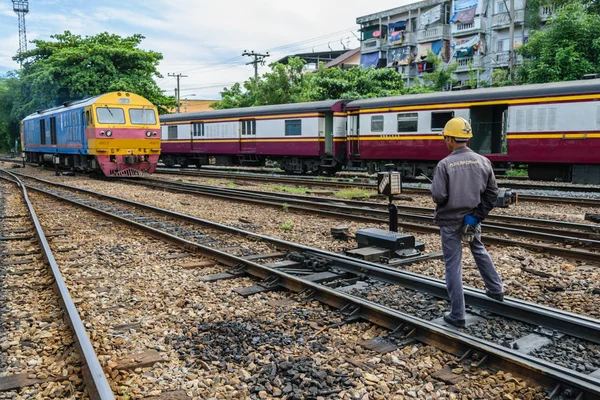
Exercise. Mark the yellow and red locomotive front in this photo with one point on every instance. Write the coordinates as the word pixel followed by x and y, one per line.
pixel 124 134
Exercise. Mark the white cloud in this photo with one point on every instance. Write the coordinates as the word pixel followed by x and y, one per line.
pixel 196 36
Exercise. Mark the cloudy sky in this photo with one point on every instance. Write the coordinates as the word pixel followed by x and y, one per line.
pixel 203 39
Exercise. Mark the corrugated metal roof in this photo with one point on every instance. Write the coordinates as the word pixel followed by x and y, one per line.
pixel 342 58
pixel 74 104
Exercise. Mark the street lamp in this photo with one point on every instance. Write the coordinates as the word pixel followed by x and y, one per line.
pixel 185 104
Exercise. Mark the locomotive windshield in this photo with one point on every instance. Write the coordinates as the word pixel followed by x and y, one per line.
pixel 110 115
pixel 141 116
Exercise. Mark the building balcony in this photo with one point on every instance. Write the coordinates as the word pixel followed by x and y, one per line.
pixel 502 20
pixel 476 62
pixel 409 39
pixel 474 27
pixel 433 33
pixel 547 12
pixel 371 45
pixel 501 59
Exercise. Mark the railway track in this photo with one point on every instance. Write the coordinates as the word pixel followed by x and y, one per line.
pixel 415 219
pixel 39 335
pixel 333 278
pixel 346 183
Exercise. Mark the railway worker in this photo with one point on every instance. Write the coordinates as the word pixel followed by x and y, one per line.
pixel 464 189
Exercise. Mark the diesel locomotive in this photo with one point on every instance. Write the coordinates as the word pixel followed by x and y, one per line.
pixel 554 128
pixel 117 134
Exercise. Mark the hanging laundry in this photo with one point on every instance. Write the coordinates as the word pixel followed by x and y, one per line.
pixel 396 38
pixel 431 16
pixel 398 25
pixel 465 47
pixel 400 55
pixel 423 47
pixel 369 60
pixel 436 47
pixel 464 11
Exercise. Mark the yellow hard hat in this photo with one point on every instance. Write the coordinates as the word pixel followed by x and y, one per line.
pixel 458 128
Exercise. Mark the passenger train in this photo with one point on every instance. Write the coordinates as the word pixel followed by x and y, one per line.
pixel 554 128
pixel 116 133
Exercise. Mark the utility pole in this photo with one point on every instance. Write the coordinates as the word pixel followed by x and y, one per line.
pixel 21 8
pixel 258 59
pixel 177 89
pixel 511 44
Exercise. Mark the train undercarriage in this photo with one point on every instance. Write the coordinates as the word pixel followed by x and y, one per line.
pixel 576 173
pixel 291 165
pixel 109 165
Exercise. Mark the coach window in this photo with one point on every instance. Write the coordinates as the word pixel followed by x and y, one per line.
pixel 248 127
pixel 293 127
pixel 198 130
pixel 42 132
pixel 110 115
pixel 439 119
pixel 408 122
pixel 377 123
pixel 172 132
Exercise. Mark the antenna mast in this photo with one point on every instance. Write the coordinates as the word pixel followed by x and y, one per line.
pixel 21 8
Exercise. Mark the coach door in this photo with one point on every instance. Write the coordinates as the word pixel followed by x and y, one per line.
pixel 329 133
pixel 353 135
pixel 489 129
pixel 248 136
pixel 197 134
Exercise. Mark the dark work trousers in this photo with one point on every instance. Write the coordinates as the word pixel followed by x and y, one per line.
pixel 452 249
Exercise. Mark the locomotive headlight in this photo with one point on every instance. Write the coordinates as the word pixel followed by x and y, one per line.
pixel 148 134
pixel 153 133
pixel 101 133
pixel 109 133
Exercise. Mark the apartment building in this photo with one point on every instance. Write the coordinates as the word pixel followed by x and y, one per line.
pixel 399 38
pixel 474 34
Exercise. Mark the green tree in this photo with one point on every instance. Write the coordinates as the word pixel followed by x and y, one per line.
pixel 500 77
pixel 72 67
pixel 286 83
pixel 290 83
pixel 566 49
pixel 442 74
pixel 355 83
pixel 10 90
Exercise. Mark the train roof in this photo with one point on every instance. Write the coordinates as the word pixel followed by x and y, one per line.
pixel 488 94
pixel 107 98
pixel 314 106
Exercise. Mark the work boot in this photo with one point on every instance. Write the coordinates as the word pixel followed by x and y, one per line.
pixel 495 296
pixel 459 323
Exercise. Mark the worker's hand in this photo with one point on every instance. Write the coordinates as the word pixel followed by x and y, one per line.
pixel 470 220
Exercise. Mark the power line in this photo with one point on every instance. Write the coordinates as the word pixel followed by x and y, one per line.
pixel 257 59
pixel 232 60
pixel 311 40
pixel 178 91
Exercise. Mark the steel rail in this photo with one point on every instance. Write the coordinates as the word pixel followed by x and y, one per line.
pixel 575 254
pixel 430 229
pixel 93 374
pixel 570 323
pixel 369 204
pixel 449 340
pixel 380 209
pixel 331 183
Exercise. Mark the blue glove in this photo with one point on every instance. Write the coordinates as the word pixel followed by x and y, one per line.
pixel 470 220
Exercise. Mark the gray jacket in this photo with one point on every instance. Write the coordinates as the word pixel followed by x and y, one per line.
pixel 463 183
